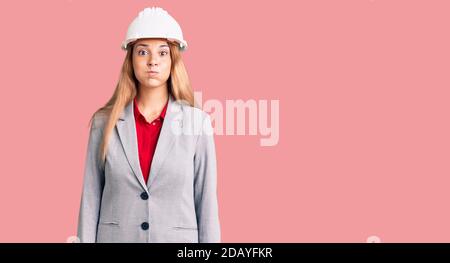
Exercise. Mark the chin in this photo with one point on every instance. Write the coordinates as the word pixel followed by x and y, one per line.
pixel 153 83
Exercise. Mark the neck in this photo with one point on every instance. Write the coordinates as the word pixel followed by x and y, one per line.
pixel 152 99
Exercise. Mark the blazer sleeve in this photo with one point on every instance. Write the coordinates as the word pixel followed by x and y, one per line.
pixel 205 186
pixel 93 183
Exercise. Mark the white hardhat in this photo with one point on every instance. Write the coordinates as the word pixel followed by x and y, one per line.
pixel 155 22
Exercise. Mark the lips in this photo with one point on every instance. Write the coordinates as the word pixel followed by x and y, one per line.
pixel 152 73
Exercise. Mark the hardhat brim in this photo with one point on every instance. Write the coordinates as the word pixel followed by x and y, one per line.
pixel 182 45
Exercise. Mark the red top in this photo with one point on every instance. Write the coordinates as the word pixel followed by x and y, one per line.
pixel 147 137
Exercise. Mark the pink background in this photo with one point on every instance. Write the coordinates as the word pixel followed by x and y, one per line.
pixel 364 113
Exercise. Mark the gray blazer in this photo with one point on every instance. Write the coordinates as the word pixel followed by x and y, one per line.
pixel 179 202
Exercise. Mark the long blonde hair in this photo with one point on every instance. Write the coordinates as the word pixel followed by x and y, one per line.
pixel 126 89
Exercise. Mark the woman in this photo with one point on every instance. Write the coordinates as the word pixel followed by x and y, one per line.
pixel 150 172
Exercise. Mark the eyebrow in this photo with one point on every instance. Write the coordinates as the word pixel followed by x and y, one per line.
pixel 145 45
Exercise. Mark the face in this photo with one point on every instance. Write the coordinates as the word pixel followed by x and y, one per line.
pixel 151 62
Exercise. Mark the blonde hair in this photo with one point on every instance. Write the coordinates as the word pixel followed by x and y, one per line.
pixel 126 89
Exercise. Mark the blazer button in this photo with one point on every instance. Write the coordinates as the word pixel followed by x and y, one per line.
pixel 144 196
pixel 144 226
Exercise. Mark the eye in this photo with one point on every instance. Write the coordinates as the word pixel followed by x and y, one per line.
pixel 142 52
pixel 163 53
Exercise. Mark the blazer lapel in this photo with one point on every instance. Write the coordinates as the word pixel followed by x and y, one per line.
pixel 167 137
pixel 126 128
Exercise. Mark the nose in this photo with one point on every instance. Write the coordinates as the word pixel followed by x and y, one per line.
pixel 152 62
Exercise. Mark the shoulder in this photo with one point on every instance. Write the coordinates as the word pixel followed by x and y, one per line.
pixel 192 113
pixel 196 112
pixel 99 120
pixel 197 121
